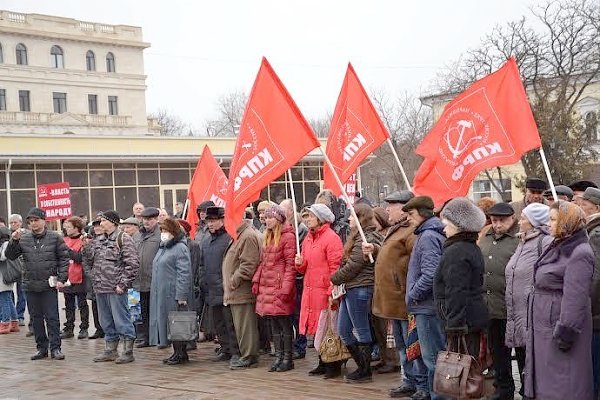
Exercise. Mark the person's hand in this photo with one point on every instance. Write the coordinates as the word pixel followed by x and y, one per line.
pixel 16 235
pixel 182 302
pixel 333 303
pixel 119 290
pixel 299 260
pixel 255 288
pixel 60 285
pixel 367 248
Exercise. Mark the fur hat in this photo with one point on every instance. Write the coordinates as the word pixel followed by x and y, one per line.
pixel 111 216
pixel 215 213
pixel 276 212
pixel 322 212
pixel 464 214
pixel 172 226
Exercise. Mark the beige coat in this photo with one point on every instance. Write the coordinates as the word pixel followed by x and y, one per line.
pixel 240 262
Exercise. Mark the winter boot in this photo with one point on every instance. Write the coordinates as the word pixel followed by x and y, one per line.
pixel 178 358
pixel 4 328
pixel 14 326
pixel 287 364
pixel 361 353
pixel 357 356
pixel 277 343
pixel 67 333
pixel 319 369
pixel 110 352
pixel 333 370
pixel 83 334
pixel 127 354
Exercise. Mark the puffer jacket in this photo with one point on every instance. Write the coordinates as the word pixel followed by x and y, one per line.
pixel 44 255
pixel 519 281
pixel 111 264
pixel 75 259
pixel 147 243
pixel 276 276
pixel 356 269
pixel 593 229
pixel 211 271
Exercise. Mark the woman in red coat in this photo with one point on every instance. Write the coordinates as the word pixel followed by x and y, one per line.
pixel 322 252
pixel 274 283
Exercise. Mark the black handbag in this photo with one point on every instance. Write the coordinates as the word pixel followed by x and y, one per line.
pixel 11 271
pixel 182 326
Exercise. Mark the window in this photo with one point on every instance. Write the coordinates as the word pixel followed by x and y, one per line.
pixel 591 126
pixel 24 104
pixel 21 52
pixel 110 62
pixel 57 56
pixel 2 99
pixel 93 104
pixel 484 188
pixel 90 61
pixel 113 108
pixel 60 102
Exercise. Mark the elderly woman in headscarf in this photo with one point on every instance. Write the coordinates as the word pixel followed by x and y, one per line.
pixel 534 240
pixel 559 360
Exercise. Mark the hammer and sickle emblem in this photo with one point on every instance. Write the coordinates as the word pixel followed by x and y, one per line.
pixel 458 148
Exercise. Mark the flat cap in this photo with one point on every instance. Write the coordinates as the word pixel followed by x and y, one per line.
pixel 402 196
pixel 581 186
pixel 501 210
pixel 131 221
pixel 562 190
pixel 150 212
pixel 535 184
pixel 418 203
pixel 592 195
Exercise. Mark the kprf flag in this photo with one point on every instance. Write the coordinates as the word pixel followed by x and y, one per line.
pixel 208 183
pixel 273 137
pixel 356 131
pixel 488 125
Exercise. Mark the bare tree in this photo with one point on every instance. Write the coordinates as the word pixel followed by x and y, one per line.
pixel 558 62
pixel 321 125
pixel 230 108
pixel 170 125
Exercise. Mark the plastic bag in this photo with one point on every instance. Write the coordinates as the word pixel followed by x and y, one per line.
pixel 133 302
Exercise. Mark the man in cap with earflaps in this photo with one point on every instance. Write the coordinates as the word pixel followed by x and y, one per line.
pixel 534 190
pixel 579 188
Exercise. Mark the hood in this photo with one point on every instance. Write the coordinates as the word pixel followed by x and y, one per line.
pixel 431 224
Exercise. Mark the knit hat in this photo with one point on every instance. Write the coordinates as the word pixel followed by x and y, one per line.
pixel 36 213
pixel 111 216
pixel 537 214
pixel 464 214
pixel 322 212
pixel 276 212
pixel 185 225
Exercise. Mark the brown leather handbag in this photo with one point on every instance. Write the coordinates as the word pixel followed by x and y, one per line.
pixel 458 375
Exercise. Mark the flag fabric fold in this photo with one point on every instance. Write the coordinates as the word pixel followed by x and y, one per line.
pixel 490 124
pixel 356 131
pixel 273 137
pixel 208 183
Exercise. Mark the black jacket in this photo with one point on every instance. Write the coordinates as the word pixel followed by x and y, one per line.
pixel 211 278
pixel 44 255
pixel 458 285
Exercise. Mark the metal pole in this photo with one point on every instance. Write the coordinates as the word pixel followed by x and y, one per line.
pixel 389 142
pixel 289 171
pixel 185 209
pixel 547 169
pixel 8 200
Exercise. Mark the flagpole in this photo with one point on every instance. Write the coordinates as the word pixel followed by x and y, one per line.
pixel 347 199
pixel 547 169
pixel 185 209
pixel 389 142
pixel 289 171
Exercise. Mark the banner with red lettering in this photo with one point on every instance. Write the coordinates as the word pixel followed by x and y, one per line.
pixel 490 124
pixel 356 131
pixel 350 188
pixel 55 199
pixel 208 183
pixel 273 137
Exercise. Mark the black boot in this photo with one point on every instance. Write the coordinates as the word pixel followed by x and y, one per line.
pixel 288 363
pixel 357 356
pixel 172 356
pixel 319 369
pixel 361 353
pixel 178 358
pixel 333 370
pixel 277 343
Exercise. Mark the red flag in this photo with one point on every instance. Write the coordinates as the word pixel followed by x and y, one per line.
pixel 356 131
pixel 273 137
pixel 208 183
pixel 490 124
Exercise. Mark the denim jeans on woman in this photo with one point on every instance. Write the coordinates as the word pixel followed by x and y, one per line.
pixel 8 312
pixel 115 319
pixel 415 372
pixel 355 308
pixel 432 338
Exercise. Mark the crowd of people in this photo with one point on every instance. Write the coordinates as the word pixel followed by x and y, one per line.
pixel 514 280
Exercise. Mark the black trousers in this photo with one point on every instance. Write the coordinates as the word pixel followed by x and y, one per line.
pixel 43 309
pixel 264 333
pixel 501 359
pixel 299 340
pixel 142 327
pixel 84 310
pixel 95 316
pixel 281 325
pixel 225 329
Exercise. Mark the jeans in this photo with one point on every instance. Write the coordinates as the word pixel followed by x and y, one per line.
pixel 300 341
pixel 596 362
pixel 114 316
pixel 8 311
pixel 21 300
pixel 501 359
pixel 354 316
pixel 432 338
pixel 414 372
pixel 43 311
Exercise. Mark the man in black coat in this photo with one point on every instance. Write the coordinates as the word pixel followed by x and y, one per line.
pixel 46 261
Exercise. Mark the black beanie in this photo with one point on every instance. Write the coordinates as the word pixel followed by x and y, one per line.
pixel 112 216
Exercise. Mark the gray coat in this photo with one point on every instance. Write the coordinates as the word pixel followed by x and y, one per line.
pixel 559 361
pixel 172 282
pixel 519 280
pixel 593 228
pixel 147 244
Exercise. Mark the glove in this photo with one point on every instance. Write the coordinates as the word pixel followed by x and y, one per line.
pixel 564 345
pixel 255 288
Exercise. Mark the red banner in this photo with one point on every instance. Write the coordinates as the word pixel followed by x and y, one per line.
pixel 350 188
pixel 490 124
pixel 356 131
pixel 273 137
pixel 208 183
pixel 55 199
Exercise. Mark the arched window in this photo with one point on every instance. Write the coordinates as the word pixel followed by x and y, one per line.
pixel 57 56
pixel 90 61
pixel 110 62
pixel 21 52
pixel 591 126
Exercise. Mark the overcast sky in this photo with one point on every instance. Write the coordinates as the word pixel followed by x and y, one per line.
pixel 201 49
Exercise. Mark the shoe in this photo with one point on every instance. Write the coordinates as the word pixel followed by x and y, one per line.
pixel 388 368
pixel 4 328
pixel 57 355
pixel 166 360
pixel 66 334
pixel 287 363
pixel 402 391
pixel 83 334
pixel 39 355
pixel 21 322
pixel 333 370
pixel 143 343
pixel 420 395
pixel 127 354
pixel 278 344
pixel 14 326
pixel 178 359
pixel 243 363
pixel 97 335
pixel 222 357
pixel 110 352
pixel 318 370
pixel 298 356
